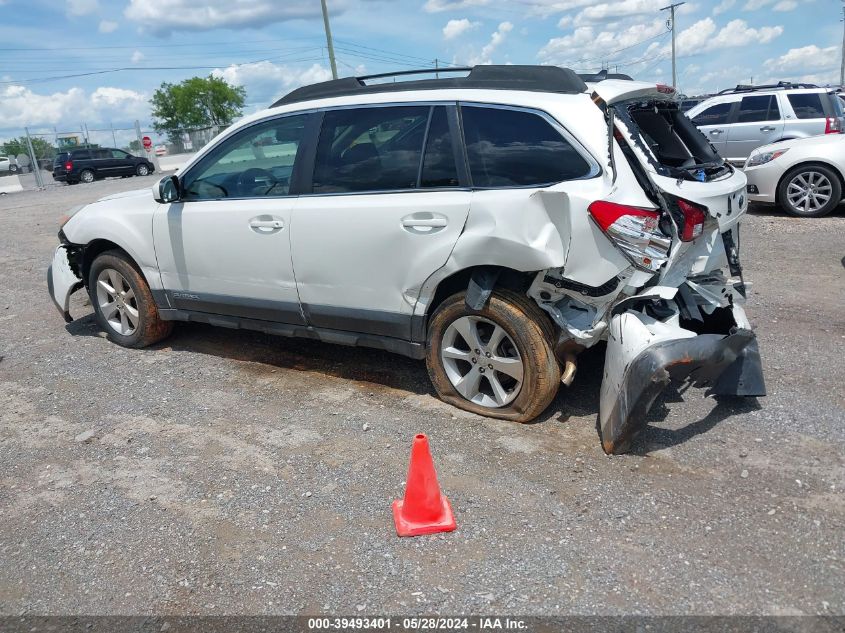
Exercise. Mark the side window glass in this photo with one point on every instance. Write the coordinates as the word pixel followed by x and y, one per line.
pixel 370 149
pixel 753 109
pixel 774 110
pixel 508 148
pixel 439 168
pixel 116 153
pixel 807 106
pixel 254 163
pixel 714 115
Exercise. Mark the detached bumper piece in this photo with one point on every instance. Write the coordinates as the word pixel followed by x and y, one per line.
pixel 62 282
pixel 728 364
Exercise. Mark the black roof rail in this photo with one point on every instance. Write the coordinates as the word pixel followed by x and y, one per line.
pixel 781 85
pixel 602 75
pixel 487 77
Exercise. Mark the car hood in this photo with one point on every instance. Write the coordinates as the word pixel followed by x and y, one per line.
pixel 815 142
pixel 134 193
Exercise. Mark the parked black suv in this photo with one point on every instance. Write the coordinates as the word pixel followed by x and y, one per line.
pixel 88 165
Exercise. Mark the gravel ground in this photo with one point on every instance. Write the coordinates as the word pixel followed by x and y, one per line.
pixel 230 472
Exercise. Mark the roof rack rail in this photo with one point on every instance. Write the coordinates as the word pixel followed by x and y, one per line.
pixel 602 75
pixel 781 85
pixel 487 77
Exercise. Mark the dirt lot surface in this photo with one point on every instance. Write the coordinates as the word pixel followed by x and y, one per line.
pixel 231 472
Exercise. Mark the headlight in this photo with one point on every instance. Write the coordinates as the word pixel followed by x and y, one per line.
pixel 761 159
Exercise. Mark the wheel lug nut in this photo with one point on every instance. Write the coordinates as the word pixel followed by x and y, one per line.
pixel 481 369
pixel 488 354
pixel 489 366
pixel 478 351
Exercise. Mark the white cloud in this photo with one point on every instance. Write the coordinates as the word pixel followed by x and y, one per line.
pixel 81 7
pixel 455 28
pixel 20 106
pixel 107 26
pixel 587 42
pixel 164 16
pixel 785 5
pixel 805 59
pixel 486 55
pixel 724 5
pixel 604 11
pixel 137 56
pixel 265 81
pixel 780 5
pixel 704 35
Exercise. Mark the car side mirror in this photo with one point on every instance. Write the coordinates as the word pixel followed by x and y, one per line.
pixel 166 190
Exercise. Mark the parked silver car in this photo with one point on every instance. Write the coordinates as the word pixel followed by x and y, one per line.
pixel 740 120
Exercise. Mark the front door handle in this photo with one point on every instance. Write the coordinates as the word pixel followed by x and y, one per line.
pixel 424 223
pixel 716 132
pixel 767 128
pixel 266 224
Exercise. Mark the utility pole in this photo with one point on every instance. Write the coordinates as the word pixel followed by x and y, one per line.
pixel 329 38
pixel 437 66
pixel 842 66
pixel 671 9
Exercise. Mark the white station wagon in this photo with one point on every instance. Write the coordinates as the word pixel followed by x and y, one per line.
pixel 494 224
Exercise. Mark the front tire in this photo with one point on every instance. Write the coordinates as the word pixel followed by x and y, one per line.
pixel 142 170
pixel 123 303
pixel 810 191
pixel 498 361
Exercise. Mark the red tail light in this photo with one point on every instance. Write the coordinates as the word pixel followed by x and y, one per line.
pixel 635 231
pixel 833 125
pixel 68 165
pixel 694 217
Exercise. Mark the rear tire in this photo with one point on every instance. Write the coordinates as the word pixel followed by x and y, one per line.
pixel 123 303
pixel 810 191
pixel 482 376
pixel 86 176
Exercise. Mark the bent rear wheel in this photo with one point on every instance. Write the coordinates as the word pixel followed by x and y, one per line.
pixel 497 361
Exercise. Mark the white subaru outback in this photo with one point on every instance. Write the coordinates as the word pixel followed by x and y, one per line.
pixel 495 224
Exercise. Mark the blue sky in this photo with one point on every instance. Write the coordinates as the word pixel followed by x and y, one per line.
pixel 272 46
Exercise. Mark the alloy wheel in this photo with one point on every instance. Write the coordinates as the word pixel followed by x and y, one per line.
pixel 87 176
pixel 116 301
pixel 142 170
pixel 481 361
pixel 809 191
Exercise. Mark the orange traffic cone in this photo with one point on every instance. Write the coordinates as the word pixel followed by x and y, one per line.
pixel 423 510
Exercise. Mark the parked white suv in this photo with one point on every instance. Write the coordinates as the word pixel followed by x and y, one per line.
pixel 495 224
pixel 740 120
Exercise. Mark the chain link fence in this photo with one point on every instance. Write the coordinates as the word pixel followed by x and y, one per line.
pixel 26 162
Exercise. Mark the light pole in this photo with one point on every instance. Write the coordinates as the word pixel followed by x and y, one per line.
pixel 329 38
pixel 842 66
pixel 671 9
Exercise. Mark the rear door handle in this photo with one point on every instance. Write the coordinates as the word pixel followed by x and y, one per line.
pixel 767 128
pixel 424 223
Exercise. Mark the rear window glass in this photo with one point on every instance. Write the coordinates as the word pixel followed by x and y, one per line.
pixel 370 149
pixel 758 108
pixel 714 115
pixel 60 158
pixel 508 148
pixel 807 106
pixel 80 154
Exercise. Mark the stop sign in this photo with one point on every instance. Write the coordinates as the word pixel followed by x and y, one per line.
pixel 148 142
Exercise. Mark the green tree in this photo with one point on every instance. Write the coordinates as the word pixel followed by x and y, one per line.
pixel 135 146
pixel 17 146
pixel 195 103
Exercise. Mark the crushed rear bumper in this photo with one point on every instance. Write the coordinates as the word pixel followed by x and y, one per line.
pixel 644 355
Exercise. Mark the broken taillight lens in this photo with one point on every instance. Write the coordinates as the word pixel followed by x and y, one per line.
pixel 833 125
pixel 694 217
pixel 68 165
pixel 635 231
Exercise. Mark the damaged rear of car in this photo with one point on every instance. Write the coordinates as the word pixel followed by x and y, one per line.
pixel 680 315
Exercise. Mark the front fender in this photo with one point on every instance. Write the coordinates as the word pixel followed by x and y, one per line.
pixel 62 282
pixel 645 354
